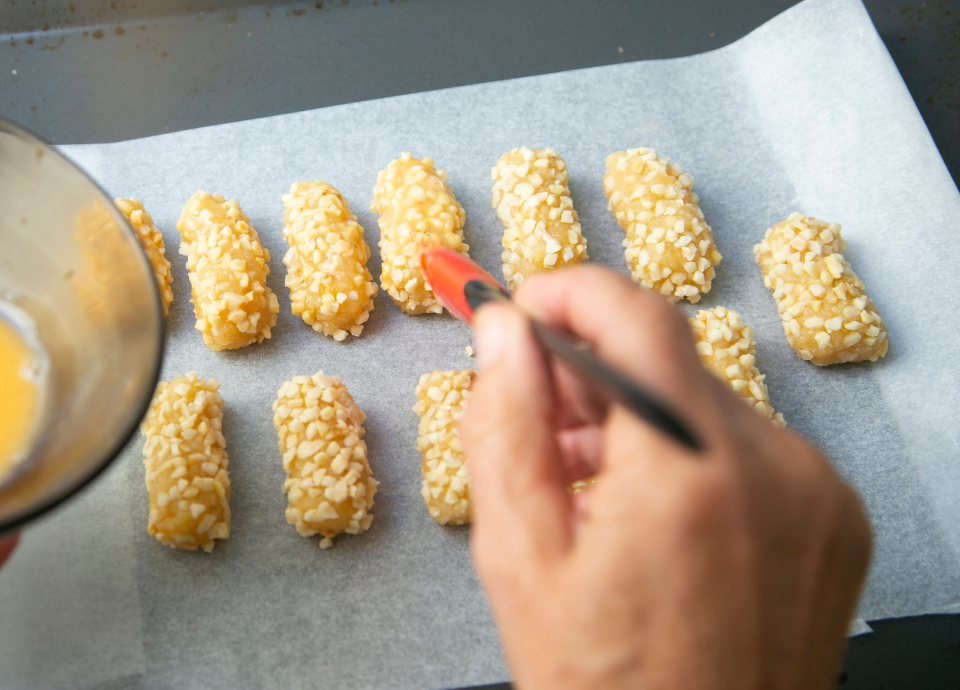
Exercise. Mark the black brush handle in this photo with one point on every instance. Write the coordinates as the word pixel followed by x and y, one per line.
pixel 618 384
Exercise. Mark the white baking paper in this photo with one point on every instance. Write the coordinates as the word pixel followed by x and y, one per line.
pixel 807 113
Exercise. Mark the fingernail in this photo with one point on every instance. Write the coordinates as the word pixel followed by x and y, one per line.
pixel 489 336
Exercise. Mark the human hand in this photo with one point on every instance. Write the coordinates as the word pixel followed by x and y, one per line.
pixel 735 568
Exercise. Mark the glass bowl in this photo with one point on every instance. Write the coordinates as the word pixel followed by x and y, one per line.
pixel 70 261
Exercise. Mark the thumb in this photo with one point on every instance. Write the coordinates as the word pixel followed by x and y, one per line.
pixel 521 506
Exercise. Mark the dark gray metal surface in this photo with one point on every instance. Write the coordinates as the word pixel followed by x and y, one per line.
pixel 80 71
pixel 104 70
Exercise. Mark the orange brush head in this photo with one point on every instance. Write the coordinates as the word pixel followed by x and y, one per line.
pixel 447 272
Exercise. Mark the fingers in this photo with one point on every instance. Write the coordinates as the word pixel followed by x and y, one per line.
pixel 846 557
pixel 579 402
pixel 582 450
pixel 637 332
pixel 520 503
pixel 633 329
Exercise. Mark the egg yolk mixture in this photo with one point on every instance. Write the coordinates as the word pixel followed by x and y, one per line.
pixel 19 396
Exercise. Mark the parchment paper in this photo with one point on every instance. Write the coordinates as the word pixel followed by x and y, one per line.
pixel 806 113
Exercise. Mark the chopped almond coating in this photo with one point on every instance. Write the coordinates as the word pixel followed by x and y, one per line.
pixel 152 242
pixel 328 486
pixel 416 206
pixel 186 460
pixel 827 317
pixel 228 273
pixel 725 345
pixel 442 396
pixel 541 229
pixel 330 286
pixel 669 247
